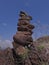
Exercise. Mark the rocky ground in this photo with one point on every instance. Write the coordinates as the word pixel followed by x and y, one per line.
pixel 40 57
pixel 42 44
pixel 6 57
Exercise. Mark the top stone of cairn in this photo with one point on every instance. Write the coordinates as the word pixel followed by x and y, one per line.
pixel 24 16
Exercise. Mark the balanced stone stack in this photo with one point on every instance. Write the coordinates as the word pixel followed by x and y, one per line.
pixel 23 37
pixel 24 34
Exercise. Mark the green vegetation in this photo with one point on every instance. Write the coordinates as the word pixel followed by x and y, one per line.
pixel 25 54
pixel 41 47
pixel 45 63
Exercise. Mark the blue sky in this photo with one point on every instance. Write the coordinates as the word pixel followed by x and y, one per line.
pixel 9 13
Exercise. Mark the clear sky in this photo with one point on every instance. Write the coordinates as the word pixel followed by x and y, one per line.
pixel 9 13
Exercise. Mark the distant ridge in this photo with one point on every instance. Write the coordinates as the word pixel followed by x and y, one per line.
pixel 43 39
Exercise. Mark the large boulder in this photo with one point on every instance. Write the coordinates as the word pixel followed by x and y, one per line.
pixel 22 39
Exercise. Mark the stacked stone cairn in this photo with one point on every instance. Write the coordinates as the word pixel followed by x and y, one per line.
pixel 23 40
pixel 24 34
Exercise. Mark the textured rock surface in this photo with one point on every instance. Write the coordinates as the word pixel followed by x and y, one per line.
pixel 6 57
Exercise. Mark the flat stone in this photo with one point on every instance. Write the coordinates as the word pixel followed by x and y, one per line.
pixel 22 22
pixel 23 28
pixel 24 32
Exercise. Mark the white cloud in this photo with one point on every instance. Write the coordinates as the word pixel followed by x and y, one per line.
pixel 0 40
pixel 5 44
pixel 4 24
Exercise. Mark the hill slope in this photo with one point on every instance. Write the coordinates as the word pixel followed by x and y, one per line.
pixel 42 41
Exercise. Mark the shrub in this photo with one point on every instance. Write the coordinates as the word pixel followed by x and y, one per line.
pixel 41 47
